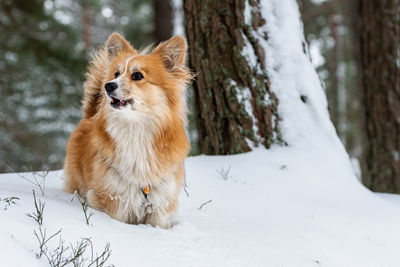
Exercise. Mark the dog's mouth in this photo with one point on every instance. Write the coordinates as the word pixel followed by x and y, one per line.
pixel 120 103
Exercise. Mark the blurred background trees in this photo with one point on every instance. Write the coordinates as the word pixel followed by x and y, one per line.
pixel 379 67
pixel 44 50
pixel 355 46
pixel 328 27
pixel 45 46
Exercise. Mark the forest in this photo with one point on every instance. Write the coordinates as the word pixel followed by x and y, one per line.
pixel 293 120
pixel 47 45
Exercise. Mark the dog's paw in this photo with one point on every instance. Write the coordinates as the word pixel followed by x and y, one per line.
pixel 159 219
pixel 93 199
pixel 149 209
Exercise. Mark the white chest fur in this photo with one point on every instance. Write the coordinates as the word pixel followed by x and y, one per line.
pixel 132 165
pixel 133 137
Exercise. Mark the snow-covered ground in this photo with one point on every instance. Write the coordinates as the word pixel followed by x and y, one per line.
pixel 283 207
pixel 294 205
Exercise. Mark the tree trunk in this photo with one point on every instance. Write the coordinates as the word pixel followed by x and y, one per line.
pixel 86 20
pixel 379 64
pixel 235 108
pixel 162 20
pixel 333 65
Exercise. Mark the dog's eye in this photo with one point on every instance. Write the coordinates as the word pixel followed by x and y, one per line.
pixel 116 74
pixel 136 76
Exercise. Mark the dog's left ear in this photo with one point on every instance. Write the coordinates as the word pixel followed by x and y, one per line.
pixel 173 53
pixel 117 43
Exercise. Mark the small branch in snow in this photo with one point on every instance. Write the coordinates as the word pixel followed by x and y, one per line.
pixel 64 255
pixel 185 184
pixel 205 203
pixel 39 178
pixel 85 208
pixel 184 189
pixel 225 173
pixel 41 238
pixel 9 201
pixel 37 215
pixel 102 258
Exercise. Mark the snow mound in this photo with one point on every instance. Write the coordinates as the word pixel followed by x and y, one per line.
pixel 282 207
pixel 297 205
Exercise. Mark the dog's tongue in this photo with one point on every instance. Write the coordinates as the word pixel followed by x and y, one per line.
pixel 122 102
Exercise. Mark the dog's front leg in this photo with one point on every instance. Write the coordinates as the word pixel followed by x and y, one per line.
pixel 101 202
pixel 159 218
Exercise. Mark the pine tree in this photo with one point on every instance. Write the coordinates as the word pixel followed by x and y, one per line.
pixel 379 40
pixel 44 48
pixel 235 108
pixel 163 26
pixel 40 73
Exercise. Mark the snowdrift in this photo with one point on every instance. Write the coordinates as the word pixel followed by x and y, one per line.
pixel 283 207
pixel 294 205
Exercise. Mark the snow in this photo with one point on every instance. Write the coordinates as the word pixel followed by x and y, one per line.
pixel 292 76
pixel 244 98
pixel 278 207
pixel 294 205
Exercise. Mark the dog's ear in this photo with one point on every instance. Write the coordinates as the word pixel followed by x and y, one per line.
pixel 173 53
pixel 117 43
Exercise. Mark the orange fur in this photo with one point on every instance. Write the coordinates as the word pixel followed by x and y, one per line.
pixel 115 152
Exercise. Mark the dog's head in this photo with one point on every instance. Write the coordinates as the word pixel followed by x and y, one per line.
pixel 145 85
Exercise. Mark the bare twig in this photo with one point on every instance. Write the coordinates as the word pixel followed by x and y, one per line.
pixel 185 190
pixel 91 246
pixel 64 255
pixel 205 203
pixel 225 172
pixel 184 183
pixel 56 257
pixel 100 260
pixel 77 252
pixel 39 178
pixel 9 201
pixel 37 215
pixel 42 240
pixel 85 208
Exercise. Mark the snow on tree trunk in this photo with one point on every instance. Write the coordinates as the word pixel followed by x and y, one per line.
pixel 303 107
pixel 255 82
pixel 235 106
pixel 379 55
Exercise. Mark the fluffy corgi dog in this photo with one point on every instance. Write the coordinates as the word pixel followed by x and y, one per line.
pixel 126 155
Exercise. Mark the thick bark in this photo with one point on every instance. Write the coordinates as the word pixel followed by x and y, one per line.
pixel 163 26
pixel 379 63
pixel 235 107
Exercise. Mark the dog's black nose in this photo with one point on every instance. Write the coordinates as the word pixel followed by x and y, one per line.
pixel 110 87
